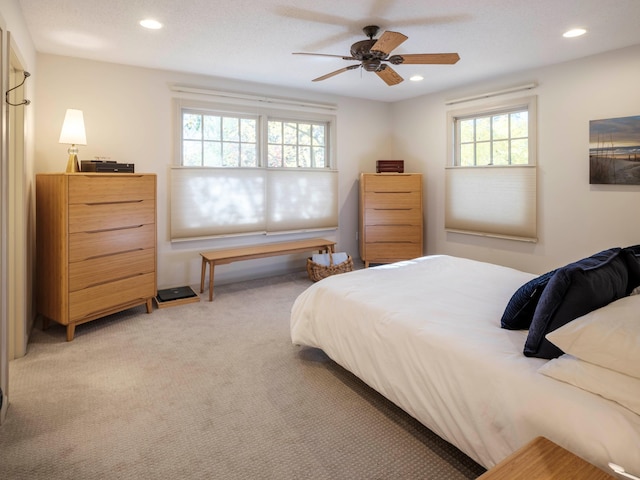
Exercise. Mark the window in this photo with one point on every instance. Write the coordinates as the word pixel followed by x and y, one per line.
pixel 490 180
pixel 219 140
pixel 498 139
pixel 296 144
pixel 259 172
pixel 210 140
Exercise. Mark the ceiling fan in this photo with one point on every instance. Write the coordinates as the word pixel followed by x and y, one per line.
pixel 373 53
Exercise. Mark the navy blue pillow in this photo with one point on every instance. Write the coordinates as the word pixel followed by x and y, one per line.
pixel 574 291
pixel 632 257
pixel 520 309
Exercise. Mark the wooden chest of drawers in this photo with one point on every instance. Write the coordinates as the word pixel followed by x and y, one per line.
pixel 96 245
pixel 391 225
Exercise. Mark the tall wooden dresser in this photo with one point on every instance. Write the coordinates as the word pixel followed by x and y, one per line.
pixel 96 245
pixel 391 224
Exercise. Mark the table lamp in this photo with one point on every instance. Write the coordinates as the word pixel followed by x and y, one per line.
pixel 73 133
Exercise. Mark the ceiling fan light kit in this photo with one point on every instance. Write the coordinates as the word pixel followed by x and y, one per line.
pixel 374 56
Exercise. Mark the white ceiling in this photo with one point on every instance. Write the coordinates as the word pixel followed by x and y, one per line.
pixel 254 39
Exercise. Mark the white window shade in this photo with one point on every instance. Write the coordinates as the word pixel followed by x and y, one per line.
pixel 492 201
pixel 207 202
pixel 302 200
pixel 211 202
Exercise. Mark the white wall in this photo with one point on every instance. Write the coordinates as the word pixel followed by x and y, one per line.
pixel 575 219
pixel 128 115
pixel 129 118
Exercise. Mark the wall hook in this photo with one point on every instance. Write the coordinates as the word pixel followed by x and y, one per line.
pixel 25 101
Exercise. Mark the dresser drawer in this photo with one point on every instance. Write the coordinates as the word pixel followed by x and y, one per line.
pixel 405 216
pixel 109 216
pixel 100 270
pixel 85 245
pixel 90 301
pixel 393 199
pixel 392 183
pixel 101 188
pixel 389 252
pixel 396 233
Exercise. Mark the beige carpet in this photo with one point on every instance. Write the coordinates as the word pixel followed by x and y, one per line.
pixel 211 390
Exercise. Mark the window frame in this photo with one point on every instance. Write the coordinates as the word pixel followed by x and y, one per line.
pixel 190 220
pixel 493 140
pixel 497 201
pixel 262 116
pixel 298 145
pixel 203 141
pixel 528 103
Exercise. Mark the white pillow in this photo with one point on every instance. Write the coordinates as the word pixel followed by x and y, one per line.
pixel 620 388
pixel 608 336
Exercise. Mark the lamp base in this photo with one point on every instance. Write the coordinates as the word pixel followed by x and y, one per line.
pixel 72 164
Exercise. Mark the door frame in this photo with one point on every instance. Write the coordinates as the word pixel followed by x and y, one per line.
pixel 4 330
pixel 15 239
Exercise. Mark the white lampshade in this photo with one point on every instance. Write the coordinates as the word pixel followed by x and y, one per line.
pixel 73 128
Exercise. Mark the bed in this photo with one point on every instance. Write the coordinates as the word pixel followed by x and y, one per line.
pixel 427 335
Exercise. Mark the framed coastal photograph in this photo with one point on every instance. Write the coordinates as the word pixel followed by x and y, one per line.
pixel 614 151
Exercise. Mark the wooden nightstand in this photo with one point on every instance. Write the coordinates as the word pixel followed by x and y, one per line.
pixel 541 459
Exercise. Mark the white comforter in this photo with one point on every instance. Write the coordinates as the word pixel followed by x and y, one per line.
pixel 426 334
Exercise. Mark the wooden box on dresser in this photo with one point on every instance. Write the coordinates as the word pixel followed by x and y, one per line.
pixel 95 244
pixel 391 224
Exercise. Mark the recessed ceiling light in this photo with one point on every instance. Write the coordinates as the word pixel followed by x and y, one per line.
pixel 151 24
pixel 416 78
pixel 575 32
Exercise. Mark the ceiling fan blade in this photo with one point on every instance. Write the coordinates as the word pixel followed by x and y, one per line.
pixel 388 41
pixel 389 75
pixel 329 75
pixel 430 58
pixel 324 55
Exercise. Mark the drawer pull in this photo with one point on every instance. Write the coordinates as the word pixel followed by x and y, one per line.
pixel 392 192
pixel 113 229
pixel 392 241
pixel 107 311
pixel 114 203
pixel 93 257
pixel 115 280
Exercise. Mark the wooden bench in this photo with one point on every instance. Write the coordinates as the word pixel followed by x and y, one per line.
pixel 229 255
